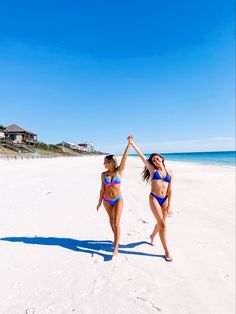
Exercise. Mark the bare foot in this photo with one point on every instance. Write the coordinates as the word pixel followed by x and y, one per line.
pixel 115 253
pixel 152 240
pixel 168 258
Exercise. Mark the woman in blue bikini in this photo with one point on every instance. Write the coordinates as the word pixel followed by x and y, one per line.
pixel 161 193
pixel 110 193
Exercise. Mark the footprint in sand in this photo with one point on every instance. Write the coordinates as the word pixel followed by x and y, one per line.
pixel 155 307
pixel 203 244
pixel 68 308
pixel 16 285
pixel 49 310
pixel 130 233
pixel 142 298
pixel 143 221
pixel 145 299
pixel 97 259
pixel 30 310
pixel 119 260
pixel 39 291
pixel 12 268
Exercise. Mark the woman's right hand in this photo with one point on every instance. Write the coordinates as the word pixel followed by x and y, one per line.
pixel 131 139
pixel 98 205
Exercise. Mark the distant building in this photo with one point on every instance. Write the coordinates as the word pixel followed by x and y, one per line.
pixel 86 147
pixel 19 135
pixel 73 146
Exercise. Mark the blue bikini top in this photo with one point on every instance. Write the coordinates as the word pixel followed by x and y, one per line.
pixel 157 176
pixel 116 180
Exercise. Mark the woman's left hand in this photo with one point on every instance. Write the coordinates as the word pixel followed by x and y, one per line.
pixel 98 205
pixel 169 211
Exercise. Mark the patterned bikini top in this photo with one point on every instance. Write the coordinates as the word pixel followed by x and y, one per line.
pixel 115 180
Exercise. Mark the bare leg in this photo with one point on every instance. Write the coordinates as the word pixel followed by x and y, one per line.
pixel 118 207
pixel 157 212
pixel 154 233
pixel 110 212
pixel 157 227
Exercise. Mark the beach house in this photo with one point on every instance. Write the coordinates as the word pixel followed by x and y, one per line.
pixel 88 147
pixel 19 135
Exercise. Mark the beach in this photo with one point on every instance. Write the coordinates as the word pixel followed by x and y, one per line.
pixel 56 249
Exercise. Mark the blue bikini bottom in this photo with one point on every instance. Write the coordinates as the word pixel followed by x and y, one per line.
pixel 112 202
pixel 160 200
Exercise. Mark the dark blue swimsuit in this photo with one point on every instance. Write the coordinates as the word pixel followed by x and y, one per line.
pixel 157 176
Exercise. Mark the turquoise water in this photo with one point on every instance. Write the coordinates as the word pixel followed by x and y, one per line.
pixel 226 158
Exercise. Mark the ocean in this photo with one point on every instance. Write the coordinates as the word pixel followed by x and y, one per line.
pixel 223 158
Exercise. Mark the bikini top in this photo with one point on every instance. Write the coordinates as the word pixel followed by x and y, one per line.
pixel 116 180
pixel 157 176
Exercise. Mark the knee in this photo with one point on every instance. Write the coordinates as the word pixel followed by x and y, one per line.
pixel 117 223
pixel 112 222
pixel 162 225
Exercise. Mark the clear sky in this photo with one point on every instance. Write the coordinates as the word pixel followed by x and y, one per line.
pixel 98 71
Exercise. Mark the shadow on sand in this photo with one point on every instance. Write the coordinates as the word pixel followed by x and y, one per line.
pixel 84 246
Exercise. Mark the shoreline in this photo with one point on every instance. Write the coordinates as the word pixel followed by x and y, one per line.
pixel 180 162
pixel 204 162
pixel 221 158
pixel 191 162
pixel 201 164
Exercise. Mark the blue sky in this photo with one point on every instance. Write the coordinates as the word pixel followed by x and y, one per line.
pixel 101 70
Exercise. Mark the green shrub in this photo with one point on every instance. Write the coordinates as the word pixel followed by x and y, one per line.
pixel 49 147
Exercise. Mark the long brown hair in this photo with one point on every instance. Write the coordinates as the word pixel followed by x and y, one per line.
pixel 146 173
pixel 112 159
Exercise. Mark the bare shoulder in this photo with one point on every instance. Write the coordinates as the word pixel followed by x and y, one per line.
pixel 104 173
pixel 170 172
pixel 119 173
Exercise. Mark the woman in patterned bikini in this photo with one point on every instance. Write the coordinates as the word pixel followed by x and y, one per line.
pixel 110 193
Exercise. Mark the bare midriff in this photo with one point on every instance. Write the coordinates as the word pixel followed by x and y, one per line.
pixel 112 191
pixel 159 188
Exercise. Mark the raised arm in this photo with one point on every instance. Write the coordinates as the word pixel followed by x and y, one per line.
pixel 143 158
pixel 124 158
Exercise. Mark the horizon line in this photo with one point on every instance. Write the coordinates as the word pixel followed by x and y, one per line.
pixel 215 151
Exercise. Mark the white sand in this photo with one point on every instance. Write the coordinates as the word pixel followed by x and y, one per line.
pixel 67 268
